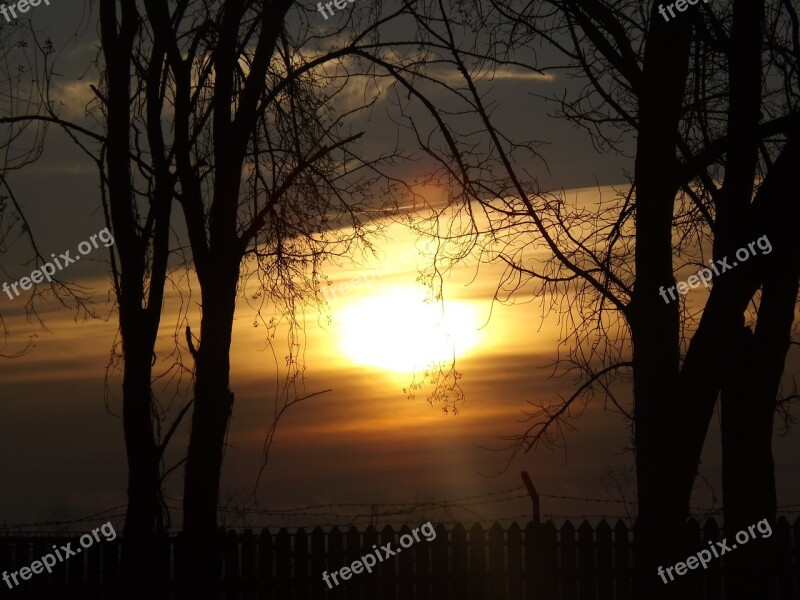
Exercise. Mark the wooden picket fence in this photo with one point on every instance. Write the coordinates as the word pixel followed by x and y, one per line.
pixel 537 562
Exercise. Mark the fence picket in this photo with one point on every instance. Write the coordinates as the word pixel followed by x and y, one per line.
pixel 302 564
pixel 387 568
pixel 461 579
pixel 477 554
pixel 440 571
pixel 248 565
pixel 569 572
pixel 336 560
pixel 586 572
pixel 541 560
pixel 283 564
pixel 371 580
pixel 319 589
pixel 75 570
pixel 605 588
pixel 404 561
pixel 422 560
pixel 266 556
pixel 537 563
pixel 514 561
pixel 497 566
pixel 353 552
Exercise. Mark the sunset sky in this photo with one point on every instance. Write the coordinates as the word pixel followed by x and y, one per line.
pixel 365 441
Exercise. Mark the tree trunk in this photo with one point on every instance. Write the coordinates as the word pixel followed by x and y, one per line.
pixel 142 520
pixel 218 261
pixel 749 401
pixel 678 445
pixel 748 473
pixel 138 325
pixel 663 502
pixel 213 403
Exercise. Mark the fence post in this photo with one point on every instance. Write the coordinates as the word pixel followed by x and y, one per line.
pixel 541 545
pixel 533 494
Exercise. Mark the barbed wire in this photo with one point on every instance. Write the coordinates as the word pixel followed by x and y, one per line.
pixel 394 509
pixel 371 504
pixel 8 527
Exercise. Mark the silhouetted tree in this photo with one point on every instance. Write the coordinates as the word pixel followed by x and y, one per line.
pixel 694 91
pixel 142 246
pixel 265 174
pixel 140 223
pixel 223 108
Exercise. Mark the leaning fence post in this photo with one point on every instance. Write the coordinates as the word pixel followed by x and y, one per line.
pixel 541 548
pixel 534 496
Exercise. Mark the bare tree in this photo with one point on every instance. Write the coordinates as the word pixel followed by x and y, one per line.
pixel 142 245
pixel 239 112
pixel 696 94
pixel 267 174
pixel 136 201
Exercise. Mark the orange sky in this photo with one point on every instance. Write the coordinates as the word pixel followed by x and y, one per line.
pixel 365 441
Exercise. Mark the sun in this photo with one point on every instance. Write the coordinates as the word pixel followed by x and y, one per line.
pixel 397 330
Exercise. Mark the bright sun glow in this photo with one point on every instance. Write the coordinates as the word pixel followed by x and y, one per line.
pixel 398 331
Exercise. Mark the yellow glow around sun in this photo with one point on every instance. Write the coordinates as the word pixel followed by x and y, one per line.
pixel 398 331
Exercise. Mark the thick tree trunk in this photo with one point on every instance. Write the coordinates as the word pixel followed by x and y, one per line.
pixel 703 371
pixel 213 404
pixel 663 500
pixel 142 520
pixel 748 474
pixel 749 400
